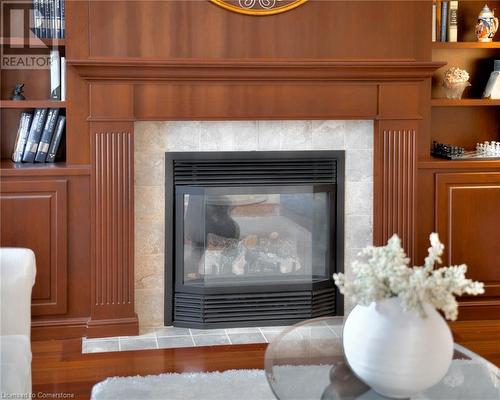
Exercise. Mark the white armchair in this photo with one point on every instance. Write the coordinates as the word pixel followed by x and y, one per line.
pixel 17 277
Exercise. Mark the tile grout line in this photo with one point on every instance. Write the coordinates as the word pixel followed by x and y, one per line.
pixel 262 333
pixel 192 338
pixel 156 340
pixel 227 335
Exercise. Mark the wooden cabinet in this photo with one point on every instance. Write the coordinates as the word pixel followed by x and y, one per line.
pixel 33 214
pixel 467 217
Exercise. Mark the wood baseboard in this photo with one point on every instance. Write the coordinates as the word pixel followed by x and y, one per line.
pixel 71 328
pixel 113 327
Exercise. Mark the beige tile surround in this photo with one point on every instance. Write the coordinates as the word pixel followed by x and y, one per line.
pixel 153 139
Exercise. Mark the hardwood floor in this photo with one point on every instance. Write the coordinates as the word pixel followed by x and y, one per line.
pixel 59 367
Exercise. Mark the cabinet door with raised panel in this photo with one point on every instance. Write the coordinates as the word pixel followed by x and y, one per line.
pixel 33 215
pixel 468 222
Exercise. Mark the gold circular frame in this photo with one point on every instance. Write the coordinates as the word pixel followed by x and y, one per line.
pixel 276 10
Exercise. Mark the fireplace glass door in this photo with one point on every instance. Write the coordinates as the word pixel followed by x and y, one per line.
pixel 257 235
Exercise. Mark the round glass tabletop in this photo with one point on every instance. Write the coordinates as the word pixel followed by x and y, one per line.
pixel 306 361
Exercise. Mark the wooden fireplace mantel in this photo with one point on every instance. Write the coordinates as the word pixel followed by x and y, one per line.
pixel 121 91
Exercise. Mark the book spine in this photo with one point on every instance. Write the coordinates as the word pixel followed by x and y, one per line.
pixel 55 75
pixel 43 19
pixel 57 18
pixel 444 21
pixel 52 18
pixel 63 20
pixel 438 20
pixel 434 23
pixel 22 135
pixel 63 78
pixel 56 139
pixel 48 131
pixel 453 21
pixel 37 18
pixel 34 135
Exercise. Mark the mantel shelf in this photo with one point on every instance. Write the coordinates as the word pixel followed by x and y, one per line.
pixel 252 70
pixel 22 104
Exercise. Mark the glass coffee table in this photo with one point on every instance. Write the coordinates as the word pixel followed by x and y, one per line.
pixel 306 361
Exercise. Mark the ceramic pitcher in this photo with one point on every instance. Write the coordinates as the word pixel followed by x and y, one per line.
pixel 487 25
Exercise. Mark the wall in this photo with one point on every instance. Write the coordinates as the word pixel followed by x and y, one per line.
pixel 153 139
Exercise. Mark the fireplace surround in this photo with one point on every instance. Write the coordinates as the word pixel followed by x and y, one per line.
pixel 252 238
pixel 390 92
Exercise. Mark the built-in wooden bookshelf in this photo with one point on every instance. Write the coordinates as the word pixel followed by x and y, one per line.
pixel 471 119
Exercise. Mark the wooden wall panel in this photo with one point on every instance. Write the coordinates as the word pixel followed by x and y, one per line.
pixel 317 29
pixel 394 182
pixel 468 223
pixel 40 223
pixel 112 277
pixel 254 101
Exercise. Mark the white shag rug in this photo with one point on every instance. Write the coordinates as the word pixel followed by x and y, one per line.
pixel 243 384
pixel 464 380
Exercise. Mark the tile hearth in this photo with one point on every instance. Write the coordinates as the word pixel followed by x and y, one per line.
pixel 172 337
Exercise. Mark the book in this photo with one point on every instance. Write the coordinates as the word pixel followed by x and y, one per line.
pixel 63 24
pixel 43 18
pixel 63 78
pixel 55 75
pixel 57 18
pixel 22 136
pixel 37 18
pixel 453 21
pixel 438 20
pixel 434 16
pixel 36 129
pixel 46 138
pixel 56 139
pixel 52 19
pixel 444 21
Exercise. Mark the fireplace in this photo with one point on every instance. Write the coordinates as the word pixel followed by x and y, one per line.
pixel 252 238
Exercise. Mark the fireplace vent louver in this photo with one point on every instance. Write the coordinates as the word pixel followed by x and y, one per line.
pixel 254 171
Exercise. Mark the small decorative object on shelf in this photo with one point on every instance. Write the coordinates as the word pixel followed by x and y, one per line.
pixel 488 149
pixel 447 151
pixel 17 93
pixel 396 329
pixel 487 25
pixel 485 150
pixel 492 90
pixel 455 81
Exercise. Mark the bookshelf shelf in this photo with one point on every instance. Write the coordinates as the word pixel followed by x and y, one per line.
pixel 465 103
pixel 34 43
pixel 438 163
pixel 12 104
pixel 9 168
pixel 465 45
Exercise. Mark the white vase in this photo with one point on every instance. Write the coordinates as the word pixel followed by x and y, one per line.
pixel 397 353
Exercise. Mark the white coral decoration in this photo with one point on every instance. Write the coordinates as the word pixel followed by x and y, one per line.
pixel 385 273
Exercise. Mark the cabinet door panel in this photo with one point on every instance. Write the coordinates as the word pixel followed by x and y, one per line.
pixel 468 222
pixel 33 215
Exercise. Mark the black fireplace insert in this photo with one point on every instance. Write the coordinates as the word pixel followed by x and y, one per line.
pixel 252 238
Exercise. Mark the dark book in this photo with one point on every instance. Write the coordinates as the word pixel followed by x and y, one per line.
pixel 56 139
pixel 55 75
pixel 22 136
pixel 36 129
pixel 48 132
pixel 57 18
pixel 51 22
pixel 63 23
pixel 37 18
pixel 444 21
pixel 43 18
